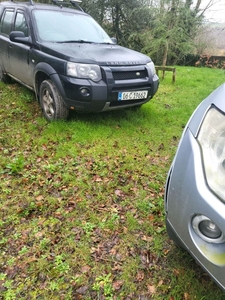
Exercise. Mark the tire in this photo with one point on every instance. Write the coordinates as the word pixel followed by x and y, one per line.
pixel 3 77
pixel 51 102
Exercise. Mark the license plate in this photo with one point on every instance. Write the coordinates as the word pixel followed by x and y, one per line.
pixel 132 95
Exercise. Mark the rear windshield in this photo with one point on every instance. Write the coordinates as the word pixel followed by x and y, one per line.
pixel 59 26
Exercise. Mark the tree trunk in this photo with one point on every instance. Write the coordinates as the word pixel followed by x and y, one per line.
pixel 198 4
pixel 171 21
pixel 165 54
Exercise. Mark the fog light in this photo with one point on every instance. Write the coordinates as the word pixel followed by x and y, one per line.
pixel 207 229
pixel 84 92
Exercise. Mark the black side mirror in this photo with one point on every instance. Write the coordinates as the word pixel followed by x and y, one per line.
pixel 19 37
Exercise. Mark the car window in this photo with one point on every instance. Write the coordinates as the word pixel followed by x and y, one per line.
pixel 1 10
pixel 21 24
pixel 6 21
pixel 54 26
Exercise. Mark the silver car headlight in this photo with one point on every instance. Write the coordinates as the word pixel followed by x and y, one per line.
pixel 212 140
pixel 86 71
pixel 152 67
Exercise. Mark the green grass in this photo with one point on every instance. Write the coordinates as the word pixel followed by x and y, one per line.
pixel 81 205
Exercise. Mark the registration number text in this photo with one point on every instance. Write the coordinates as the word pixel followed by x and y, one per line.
pixel 132 95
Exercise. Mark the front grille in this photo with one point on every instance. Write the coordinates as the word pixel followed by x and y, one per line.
pixel 124 75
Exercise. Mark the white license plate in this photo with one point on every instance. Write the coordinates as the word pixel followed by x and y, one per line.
pixel 132 95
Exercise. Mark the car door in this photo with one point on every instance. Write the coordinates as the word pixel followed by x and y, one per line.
pixel 20 62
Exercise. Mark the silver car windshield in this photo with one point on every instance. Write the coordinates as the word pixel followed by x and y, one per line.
pixel 65 27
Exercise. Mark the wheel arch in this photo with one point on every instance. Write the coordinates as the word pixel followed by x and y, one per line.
pixel 44 71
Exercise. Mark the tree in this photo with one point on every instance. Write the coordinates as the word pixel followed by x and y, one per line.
pixel 172 34
pixel 164 29
pixel 205 40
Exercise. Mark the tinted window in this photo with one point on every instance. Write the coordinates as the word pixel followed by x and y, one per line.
pixel 21 24
pixel 6 22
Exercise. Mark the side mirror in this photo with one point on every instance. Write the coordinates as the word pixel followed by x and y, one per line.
pixel 19 37
pixel 114 40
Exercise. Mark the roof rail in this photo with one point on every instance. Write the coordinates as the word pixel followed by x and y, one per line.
pixel 75 4
pixel 62 3
pixel 30 2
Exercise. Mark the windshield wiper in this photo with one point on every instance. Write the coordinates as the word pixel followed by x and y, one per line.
pixel 76 41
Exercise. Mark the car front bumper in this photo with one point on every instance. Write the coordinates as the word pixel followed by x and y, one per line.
pixel 187 195
pixel 103 95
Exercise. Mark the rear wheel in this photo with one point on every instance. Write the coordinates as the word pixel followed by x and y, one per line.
pixel 3 77
pixel 51 102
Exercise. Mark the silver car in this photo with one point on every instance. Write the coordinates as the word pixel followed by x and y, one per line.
pixel 195 187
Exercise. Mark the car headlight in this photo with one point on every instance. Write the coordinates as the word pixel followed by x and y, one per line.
pixel 87 71
pixel 152 67
pixel 212 140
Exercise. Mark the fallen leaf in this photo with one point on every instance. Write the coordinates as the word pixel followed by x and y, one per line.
pixel 151 217
pixel 160 283
pixel 140 275
pixel 85 269
pixel 151 288
pixel 147 238
pixel 82 289
pixel 117 284
pixel 118 193
pixel 186 296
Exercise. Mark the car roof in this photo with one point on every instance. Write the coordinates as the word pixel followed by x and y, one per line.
pixel 56 6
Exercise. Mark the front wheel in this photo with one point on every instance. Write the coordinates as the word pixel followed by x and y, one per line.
pixel 51 102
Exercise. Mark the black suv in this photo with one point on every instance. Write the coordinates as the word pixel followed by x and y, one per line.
pixel 69 61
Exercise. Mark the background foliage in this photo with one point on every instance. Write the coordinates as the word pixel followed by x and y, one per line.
pixel 163 29
pixel 169 31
